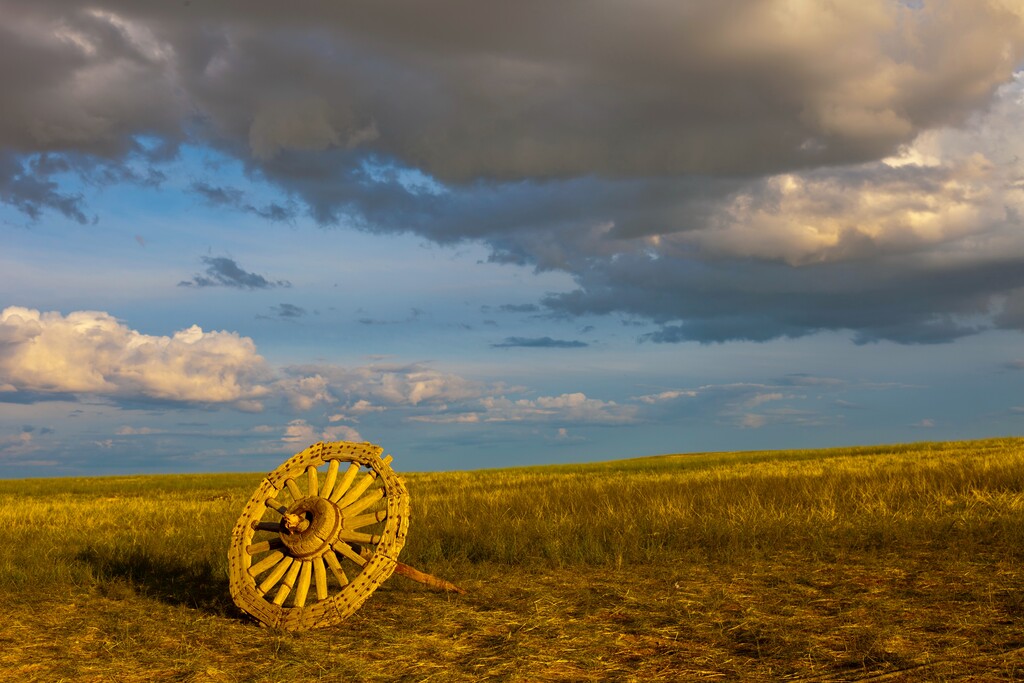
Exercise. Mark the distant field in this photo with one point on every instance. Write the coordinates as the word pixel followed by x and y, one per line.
pixel 898 562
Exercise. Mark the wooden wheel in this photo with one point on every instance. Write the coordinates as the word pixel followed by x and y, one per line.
pixel 318 536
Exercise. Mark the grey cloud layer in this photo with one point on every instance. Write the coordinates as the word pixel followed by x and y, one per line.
pixel 510 91
pixel 715 167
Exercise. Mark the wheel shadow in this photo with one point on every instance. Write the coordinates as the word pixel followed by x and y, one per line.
pixel 196 584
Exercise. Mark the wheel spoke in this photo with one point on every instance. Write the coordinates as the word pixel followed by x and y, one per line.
pixel 363 503
pixel 332 474
pixel 312 485
pixel 346 550
pixel 267 526
pixel 275 575
pixel 358 537
pixel 302 589
pixel 266 563
pixel 332 562
pixel 320 572
pixel 286 585
pixel 357 490
pixel 264 546
pixel 346 481
pixel 293 488
pixel 360 521
pixel 276 505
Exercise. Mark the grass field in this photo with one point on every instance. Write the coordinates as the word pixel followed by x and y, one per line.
pixel 875 563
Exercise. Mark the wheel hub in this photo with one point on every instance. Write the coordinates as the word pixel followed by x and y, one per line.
pixel 310 526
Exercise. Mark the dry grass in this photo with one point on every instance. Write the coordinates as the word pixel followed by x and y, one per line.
pixel 897 563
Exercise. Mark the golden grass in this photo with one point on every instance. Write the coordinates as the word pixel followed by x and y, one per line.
pixel 902 562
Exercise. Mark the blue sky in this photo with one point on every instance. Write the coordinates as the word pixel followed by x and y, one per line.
pixel 500 235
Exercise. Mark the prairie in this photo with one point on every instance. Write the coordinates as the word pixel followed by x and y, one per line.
pixel 898 562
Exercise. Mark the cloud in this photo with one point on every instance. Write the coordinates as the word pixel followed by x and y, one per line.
pixel 90 352
pixel 32 192
pixel 357 409
pixel 299 434
pixel 303 393
pixel 670 395
pixel 747 405
pixel 800 379
pixel 448 418
pixel 234 198
pixel 753 421
pixel 563 434
pixel 224 272
pixel 920 247
pixel 539 343
pixel 759 398
pixel 519 308
pixel 1011 309
pixel 288 311
pixel 792 417
pixel 17 445
pixel 719 169
pixel 414 315
pixel 575 407
pixel 382 384
pixel 847 405
pixel 667 89
pixel 127 430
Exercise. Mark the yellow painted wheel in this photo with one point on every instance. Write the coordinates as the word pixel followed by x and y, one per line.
pixel 318 536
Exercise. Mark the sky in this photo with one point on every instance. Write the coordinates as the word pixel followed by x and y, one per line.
pixel 493 234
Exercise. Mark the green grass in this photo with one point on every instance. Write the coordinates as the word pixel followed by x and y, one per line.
pixel 836 564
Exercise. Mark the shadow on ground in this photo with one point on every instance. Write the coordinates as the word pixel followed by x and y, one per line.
pixel 197 584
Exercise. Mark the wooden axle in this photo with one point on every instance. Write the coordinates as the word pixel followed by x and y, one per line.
pixel 428 580
pixel 431 582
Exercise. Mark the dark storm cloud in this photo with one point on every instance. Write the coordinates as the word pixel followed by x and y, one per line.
pixel 224 272
pixel 731 300
pixel 713 167
pixel 492 90
pixel 538 343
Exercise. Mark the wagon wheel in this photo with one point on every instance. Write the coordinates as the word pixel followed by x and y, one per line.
pixel 318 536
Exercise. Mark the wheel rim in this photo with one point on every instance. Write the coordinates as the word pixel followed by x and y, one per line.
pixel 318 536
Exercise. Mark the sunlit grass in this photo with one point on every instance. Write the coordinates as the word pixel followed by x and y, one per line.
pixel 723 505
pixel 749 565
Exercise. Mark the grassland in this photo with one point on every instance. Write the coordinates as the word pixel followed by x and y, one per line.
pixel 875 563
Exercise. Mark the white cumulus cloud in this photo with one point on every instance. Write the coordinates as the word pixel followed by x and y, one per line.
pixel 92 352
pixel 300 433
pixel 305 392
pixel 377 385
pixel 574 407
